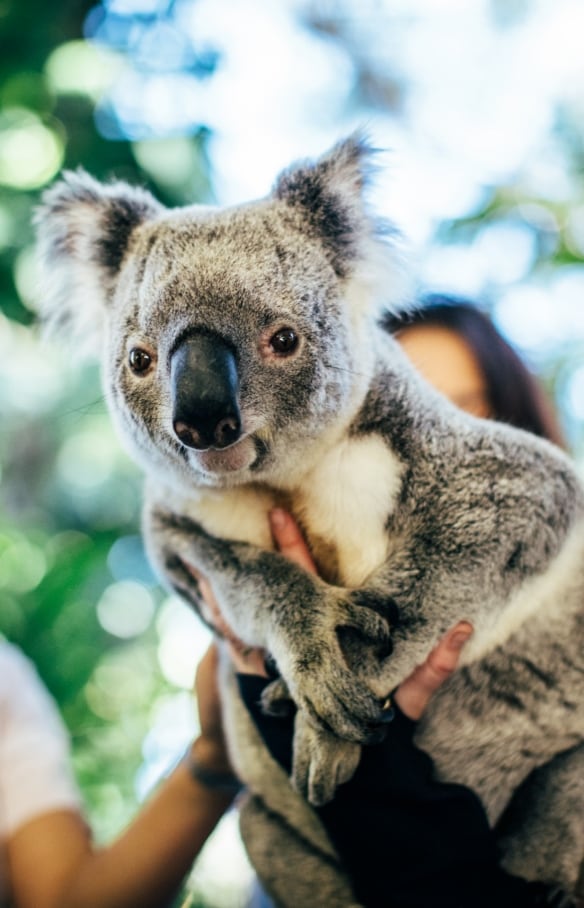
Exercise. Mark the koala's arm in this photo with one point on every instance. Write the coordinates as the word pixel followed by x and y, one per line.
pixel 271 602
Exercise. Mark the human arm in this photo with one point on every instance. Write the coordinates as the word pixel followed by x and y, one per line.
pixel 53 864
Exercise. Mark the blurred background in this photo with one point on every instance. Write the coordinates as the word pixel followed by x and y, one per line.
pixel 481 109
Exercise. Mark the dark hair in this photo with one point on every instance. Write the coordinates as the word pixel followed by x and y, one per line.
pixel 515 397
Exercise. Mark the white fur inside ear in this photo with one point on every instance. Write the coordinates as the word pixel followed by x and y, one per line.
pixel 72 300
pixel 83 232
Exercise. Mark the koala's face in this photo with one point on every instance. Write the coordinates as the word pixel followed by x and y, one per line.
pixel 235 339
pixel 228 346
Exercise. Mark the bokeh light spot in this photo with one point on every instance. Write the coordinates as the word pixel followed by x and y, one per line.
pixel 22 565
pixel 125 609
pixel 183 640
pixel 575 392
pixel 30 152
pixel 79 67
pixel 169 161
pixel 86 459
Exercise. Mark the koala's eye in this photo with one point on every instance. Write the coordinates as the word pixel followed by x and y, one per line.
pixel 284 341
pixel 140 361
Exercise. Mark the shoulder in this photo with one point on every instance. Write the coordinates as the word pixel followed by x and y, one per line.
pixel 17 672
pixel 13 662
pixel 23 696
pixel 35 771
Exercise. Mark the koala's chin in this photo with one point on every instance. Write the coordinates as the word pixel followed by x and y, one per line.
pixel 223 463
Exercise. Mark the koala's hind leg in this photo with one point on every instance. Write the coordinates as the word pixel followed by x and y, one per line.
pixel 542 831
pixel 321 761
pixel 292 870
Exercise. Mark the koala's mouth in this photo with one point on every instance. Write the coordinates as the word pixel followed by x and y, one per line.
pixel 242 455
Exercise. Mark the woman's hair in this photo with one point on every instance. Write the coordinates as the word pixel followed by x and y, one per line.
pixel 514 395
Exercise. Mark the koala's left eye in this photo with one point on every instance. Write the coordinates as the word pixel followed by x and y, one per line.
pixel 140 361
pixel 284 341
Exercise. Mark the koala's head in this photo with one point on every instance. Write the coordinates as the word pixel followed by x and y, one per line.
pixel 233 340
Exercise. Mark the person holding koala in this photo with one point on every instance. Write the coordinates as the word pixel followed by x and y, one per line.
pixel 458 349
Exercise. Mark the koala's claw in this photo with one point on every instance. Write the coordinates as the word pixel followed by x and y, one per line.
pixel 367 622
pixel 276 699
pixel 321 761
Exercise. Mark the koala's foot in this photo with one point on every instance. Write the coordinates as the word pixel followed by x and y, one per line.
pixel 321 761
pixel 545 896
pixel 276 699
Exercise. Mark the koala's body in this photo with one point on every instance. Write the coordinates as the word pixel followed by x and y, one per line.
pixel 245 367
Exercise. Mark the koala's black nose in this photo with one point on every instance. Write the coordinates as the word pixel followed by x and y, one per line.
pixel 204 387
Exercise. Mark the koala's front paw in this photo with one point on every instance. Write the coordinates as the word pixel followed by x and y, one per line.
pixel 322 681
pixel 321 761
pixel 276 699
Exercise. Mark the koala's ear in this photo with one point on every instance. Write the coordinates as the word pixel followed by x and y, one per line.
pixel 83 233
pixel 329 194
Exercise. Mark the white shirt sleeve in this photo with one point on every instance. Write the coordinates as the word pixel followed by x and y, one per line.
pixel 35 770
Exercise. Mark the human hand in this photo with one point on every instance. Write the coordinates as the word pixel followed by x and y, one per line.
pixel 211 747
pixel 246 660
pixel 413 694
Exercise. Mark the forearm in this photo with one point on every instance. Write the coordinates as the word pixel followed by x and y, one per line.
pixel 146 865
pixel 143 868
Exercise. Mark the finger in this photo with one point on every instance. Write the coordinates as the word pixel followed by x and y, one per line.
pixel 210 608
pixel 207 694
pixel 206 672
pixel 247 660
pixel 192 570
pixel 414 694
pixel 213 615
pixel 444 658
pixel 289 539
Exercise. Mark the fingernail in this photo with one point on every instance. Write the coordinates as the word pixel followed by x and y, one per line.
pixel 277 518
pixel 460 638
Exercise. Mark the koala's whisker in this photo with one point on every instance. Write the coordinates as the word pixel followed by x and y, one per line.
pixel 87 409
pixel 346 370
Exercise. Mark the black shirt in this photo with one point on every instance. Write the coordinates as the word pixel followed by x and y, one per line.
pixel 405 839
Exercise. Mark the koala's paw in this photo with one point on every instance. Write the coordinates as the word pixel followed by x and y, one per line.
pixel 276 699
pixel 323 682
pixel 546 896
pixel 321 761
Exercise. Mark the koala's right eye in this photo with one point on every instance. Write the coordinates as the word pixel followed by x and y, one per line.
pixel 140 361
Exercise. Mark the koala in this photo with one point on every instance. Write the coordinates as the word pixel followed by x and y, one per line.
pixel 246 368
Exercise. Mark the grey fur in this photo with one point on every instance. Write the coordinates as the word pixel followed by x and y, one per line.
pixel 419 515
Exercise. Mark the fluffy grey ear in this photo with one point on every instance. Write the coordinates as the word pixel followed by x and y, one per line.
pixel 83 233
pixel 329 193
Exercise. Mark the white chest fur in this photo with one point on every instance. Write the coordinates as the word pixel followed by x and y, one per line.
pixel 345 503
pixel 240 513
